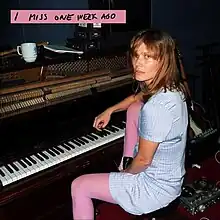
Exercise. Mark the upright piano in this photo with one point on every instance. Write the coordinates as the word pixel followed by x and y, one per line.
pixel 47 134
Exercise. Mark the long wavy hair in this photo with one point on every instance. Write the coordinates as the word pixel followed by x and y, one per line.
pixel 162 47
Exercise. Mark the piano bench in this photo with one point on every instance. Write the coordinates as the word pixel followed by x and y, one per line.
pixel 161 214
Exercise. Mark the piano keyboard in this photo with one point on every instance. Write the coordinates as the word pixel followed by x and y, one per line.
pixel 45 159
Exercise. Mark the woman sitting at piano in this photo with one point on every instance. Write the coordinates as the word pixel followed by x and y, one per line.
pixel 155 137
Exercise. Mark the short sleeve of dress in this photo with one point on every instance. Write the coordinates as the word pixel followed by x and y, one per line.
pixel 155 122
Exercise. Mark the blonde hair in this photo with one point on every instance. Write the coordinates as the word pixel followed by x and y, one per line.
pixel 161 47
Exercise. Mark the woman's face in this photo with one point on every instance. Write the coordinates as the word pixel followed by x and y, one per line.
pixel 145 67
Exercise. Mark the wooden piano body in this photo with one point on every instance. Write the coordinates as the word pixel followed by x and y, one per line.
pixel 39 120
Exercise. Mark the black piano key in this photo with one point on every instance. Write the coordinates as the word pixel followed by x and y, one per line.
pixel 86 141
pixel 124 124
pixel 9 168
pixel 119 125
pixel 27 162
pixel 116 129
pixel 107 132
pixel 70 145
pixel 90 137
pixel 2 173
pixel 14 167
pixel 80 141
pixel 59 149
pixel 32 160
pixel 44 155
pixel 55 151
pixel 22 163
pixel 51 153
pixel 76 143
pixel 104 133
pixel 111 129
pixel 39 157
pixel 93 136
pixel 99 133
pixel 67 147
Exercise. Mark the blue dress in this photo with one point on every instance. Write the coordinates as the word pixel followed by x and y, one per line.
pixel 163 119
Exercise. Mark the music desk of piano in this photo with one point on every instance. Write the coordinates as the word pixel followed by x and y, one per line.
pixel 47 140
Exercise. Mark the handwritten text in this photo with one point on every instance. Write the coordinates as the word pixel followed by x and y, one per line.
pixel 66 16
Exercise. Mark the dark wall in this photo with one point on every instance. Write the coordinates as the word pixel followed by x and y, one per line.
pixel 192 23
pixel 57 33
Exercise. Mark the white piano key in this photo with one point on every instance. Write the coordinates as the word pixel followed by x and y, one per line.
pixel 42 164
pixel 73 150
pixel 22 170
pixel 13 175
pixel 37 166
pixel 3 181
pixel 66 155
pixel 58 158
pixel 27 169
pixel 17 172
pixel 51 161
pixel 9 179
pixel 3 178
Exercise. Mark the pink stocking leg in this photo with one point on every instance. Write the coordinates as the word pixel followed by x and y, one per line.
pixel 131 131
pixel 84 189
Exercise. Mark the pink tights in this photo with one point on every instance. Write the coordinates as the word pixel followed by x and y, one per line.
pixel 96 186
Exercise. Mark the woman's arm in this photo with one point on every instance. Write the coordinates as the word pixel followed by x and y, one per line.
pixel 103 119
pixel 144 157
pixel 124 104
pixel 155 124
